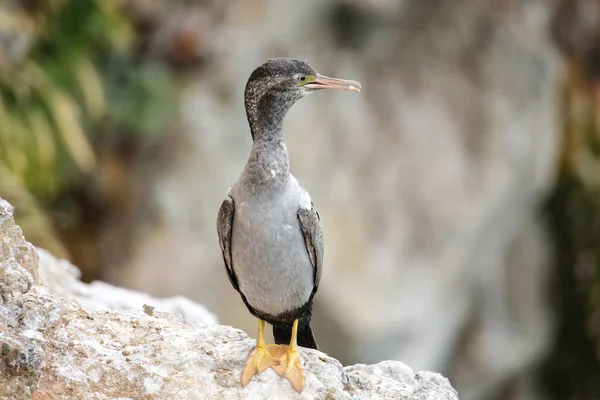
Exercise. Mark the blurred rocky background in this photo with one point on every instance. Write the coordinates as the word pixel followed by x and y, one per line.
pixel 459 192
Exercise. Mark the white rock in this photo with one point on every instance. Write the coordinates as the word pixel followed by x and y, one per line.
pixel 62 278
pixel 54 349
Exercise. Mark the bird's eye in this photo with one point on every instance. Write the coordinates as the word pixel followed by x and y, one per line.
pixel 302 79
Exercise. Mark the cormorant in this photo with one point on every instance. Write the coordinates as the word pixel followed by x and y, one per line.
pixel 268 227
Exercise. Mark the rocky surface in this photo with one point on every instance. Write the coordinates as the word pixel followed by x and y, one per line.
pixel 62 278
pixel 52 348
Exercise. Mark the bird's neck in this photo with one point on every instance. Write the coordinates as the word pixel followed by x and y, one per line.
pixel 266 114
pixel 268 168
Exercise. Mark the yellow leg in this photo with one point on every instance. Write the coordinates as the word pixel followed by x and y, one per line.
pixel 261 357
pixel 289 365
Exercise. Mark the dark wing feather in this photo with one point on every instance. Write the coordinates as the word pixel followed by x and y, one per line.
pixel 224 229
pixel 313 238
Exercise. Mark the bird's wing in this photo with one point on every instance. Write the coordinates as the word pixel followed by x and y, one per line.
pixel 313 238
pixel 224 229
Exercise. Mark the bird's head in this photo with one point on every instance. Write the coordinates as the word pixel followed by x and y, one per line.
pixel 277 84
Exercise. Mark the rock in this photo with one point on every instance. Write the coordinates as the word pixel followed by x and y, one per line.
pixel 52 348
pixel 118 354
pixel 62 277
pixel 27 311
pixel 19 260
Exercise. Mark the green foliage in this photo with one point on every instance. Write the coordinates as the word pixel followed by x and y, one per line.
pixel 42 136
pixel 148 102
pixel 53 92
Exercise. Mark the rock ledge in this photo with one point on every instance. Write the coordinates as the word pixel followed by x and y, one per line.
pixel 52 348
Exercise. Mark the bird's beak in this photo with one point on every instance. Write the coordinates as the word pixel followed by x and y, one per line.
pixel 324 82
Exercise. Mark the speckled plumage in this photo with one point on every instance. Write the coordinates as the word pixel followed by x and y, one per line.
pixel 268 227
pixel 268 97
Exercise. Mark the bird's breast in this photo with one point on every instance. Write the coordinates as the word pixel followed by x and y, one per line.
pixel 270 258
pixel 270 225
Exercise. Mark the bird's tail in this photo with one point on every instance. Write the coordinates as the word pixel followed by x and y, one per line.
pixel 306 338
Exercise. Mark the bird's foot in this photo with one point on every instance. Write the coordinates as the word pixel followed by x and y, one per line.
pixel 290 367
pixel 261 358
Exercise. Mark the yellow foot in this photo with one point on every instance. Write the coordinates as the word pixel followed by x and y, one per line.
pixel 261 358
pixel 276 351
pixel 290 367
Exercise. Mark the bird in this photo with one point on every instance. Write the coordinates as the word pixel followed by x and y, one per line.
pixel 268 227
